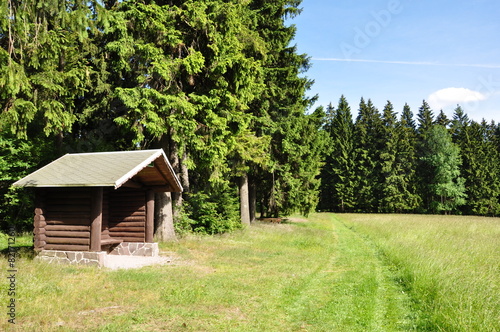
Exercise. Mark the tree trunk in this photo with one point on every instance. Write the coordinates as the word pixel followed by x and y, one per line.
pixel 244 200
pixel 168 205
pixel 253 199
pixel 164 218
pixel 174 160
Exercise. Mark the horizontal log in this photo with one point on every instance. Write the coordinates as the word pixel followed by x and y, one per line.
pixel 67 234
pixel 127 219
pixel 127 192
pixel 127 229
pixel 41 237
pixel 68 208
pixel 59 215
pixel 68 221
pixel 133 239
pixel 127 198
pixel 70 193
pixel 68 247
pixel 126 223
pixel 110 241
pixel 126 214
pixel 65 240
pixel 126 208
pixel 126 234
pixel 39 211
pixel 67 228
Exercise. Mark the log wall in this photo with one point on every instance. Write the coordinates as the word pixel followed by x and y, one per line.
pixel 127 215
pixel 62 219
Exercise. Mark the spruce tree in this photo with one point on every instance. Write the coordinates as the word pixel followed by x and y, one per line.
pixel 398 163
pixel 442 119
pixel 481 169
pixel 368 131
pixel 425 119
pixel 340 162
pixel 327 180
pixel 281 109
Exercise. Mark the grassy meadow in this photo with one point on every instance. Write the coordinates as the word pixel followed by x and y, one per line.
pixel 327 273
pixel 450 265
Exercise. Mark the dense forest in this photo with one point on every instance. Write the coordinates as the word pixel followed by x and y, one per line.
pixel 220 87
pixel 214 83
pixel 382 162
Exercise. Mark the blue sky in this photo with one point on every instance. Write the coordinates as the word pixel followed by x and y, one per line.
pixel 446 52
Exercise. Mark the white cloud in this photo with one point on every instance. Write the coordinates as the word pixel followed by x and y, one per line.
pixel 453 96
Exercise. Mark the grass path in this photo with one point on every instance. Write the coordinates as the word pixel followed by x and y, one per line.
pixel 312 276
pixel 379 303
pixel 448 264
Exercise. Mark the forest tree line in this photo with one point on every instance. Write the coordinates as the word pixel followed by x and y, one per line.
pixel 220 87
pixel 382 162
pixel 216 84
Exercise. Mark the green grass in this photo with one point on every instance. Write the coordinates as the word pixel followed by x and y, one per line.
pixel 450 265
pixel 302 276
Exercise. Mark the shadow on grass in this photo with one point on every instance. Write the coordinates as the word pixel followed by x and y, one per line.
pixel 27 252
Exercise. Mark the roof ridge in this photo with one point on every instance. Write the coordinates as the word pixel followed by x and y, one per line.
pixel 110 152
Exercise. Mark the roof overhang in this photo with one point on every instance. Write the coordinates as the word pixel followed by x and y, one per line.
pixel 140 169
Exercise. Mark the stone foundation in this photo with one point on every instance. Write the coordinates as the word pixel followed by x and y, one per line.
pixel 73 257
pixel 136 249
pixel 99 259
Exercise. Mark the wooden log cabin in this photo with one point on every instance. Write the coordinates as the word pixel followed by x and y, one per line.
pixel 92 201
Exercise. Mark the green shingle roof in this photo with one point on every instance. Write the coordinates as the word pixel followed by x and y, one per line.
pixel 104 169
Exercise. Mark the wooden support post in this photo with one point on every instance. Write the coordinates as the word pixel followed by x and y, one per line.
pixel 150 215
pixel 96 219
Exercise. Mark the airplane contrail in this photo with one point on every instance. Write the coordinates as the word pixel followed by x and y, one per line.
pixel 414 63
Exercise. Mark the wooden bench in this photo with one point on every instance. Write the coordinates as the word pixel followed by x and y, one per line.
pixel 105 242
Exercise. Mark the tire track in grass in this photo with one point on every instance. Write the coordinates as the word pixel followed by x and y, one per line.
pixel 351 290
pixel 389 307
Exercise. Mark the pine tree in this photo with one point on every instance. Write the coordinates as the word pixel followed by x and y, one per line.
pixel 44 67
pixel 340 165
pixel 398 163
pixel 282 110
pixel 407 118
pixel 459 123
pixel 327 180
pixel 408 163
pixel 425 118
pixel 481 169
pixel 368 131
pixel 442 119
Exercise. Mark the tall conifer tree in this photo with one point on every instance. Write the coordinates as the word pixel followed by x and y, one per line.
pixel 398 163
pixel 340 163
pixel 368 131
